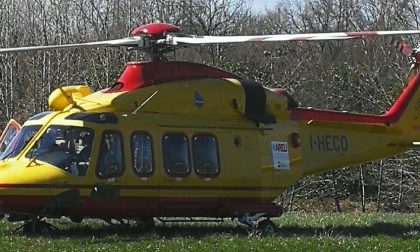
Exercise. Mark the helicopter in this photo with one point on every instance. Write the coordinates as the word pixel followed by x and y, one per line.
pixel 173 139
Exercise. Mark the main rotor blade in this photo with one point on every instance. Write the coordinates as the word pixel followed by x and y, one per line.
pixel 284 37
pixel 135 41
pixel 140 42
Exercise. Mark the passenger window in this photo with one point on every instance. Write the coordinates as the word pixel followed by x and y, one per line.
pixel 205 155
pixel 175 154
pixel 110 162
pixel 142 156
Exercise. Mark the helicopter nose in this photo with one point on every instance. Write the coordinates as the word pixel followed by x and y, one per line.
pixel 18 194
pixel 29 188
pixel 3 164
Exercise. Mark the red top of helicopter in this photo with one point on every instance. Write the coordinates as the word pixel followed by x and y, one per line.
pixel 142 74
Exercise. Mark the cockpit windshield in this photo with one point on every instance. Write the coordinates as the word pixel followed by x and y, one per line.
pixel 20 141
pixel 8 135
pixel 66 147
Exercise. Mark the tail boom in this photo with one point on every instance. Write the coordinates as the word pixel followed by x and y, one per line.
pixel 392 116
pixel 335 139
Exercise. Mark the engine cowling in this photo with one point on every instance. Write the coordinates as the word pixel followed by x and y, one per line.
pixel 60 98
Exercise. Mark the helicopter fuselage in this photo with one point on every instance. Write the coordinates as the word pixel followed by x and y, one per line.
pixel 182 139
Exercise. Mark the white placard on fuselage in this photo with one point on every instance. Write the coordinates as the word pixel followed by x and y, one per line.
pixel 280 151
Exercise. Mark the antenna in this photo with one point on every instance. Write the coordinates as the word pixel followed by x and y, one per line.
pixel 145 102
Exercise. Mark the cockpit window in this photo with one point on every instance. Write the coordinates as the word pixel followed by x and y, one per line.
pixel 20 141
pixel 7 136
pixel 66 147
pixel 40 115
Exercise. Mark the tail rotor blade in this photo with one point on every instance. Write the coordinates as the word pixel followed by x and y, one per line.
pixel 403 47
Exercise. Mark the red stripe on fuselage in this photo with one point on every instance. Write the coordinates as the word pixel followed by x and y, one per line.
pixel 142 187
pixel 126 207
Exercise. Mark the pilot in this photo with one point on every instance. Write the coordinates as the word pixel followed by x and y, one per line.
pixel 86 146
pixel 47 142
pixel 83 156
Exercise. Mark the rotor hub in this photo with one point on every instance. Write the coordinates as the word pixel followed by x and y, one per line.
pixel 152 34
pixel 155 30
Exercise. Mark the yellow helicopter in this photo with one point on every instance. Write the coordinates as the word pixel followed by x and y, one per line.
pixel 180 139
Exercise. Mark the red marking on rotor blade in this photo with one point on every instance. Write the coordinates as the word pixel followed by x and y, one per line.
pixel 259 39
pixel 361 34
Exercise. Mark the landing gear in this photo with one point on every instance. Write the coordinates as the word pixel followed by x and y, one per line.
pixel 76 219
pixel 266 227
pixel 145 223
pixel 36 227
pixel 116 222
pixel 258 224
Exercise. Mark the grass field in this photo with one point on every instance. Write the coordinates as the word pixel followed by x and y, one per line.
pixel 297 232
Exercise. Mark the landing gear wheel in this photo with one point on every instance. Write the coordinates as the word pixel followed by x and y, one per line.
pixel 146 223
pixel 76 219
pixel 266 227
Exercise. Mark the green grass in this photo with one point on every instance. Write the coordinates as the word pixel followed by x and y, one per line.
pixel 297 232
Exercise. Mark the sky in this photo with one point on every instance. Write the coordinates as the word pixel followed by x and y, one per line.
pixel 262 5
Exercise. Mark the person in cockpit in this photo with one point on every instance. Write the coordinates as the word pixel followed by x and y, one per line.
pixel 47 142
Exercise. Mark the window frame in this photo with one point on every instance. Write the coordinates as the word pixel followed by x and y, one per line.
pixel 141 132
pixel 190 168
pixel 217 154
pixel 16 152
pixel 99 155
